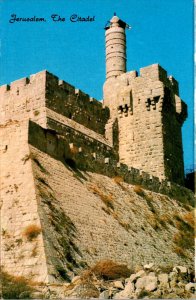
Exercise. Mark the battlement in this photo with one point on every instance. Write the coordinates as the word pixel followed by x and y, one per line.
pixel 78 150
pixel 23 83
pixel 76 105
pixel 156 72
pixel 28 98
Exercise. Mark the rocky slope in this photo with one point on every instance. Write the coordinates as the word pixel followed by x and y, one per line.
pixel 108 282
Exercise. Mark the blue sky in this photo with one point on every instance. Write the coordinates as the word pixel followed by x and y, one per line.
pixel 162 32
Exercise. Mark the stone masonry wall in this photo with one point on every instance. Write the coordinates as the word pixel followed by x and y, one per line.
pixel 145 138
pixel 172 139
pixel 106 219
pixel 20 255
pixel 24 99
pixel 84 153
pixel 75 105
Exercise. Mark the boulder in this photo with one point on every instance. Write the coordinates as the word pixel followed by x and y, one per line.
pixel 148 283
pixel 36 295
pixel 163 278
pixel 134 277
pixel 173 276
pixel 104 295
pixel 190 287
pixel 118 284
pixel 163 281
pixel 85 291
pixel 148 266
pixel 128 292
pixel 180 269
pixel 24 295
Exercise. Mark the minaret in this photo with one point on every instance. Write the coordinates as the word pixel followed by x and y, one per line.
pixel 115 41
pixel 115 47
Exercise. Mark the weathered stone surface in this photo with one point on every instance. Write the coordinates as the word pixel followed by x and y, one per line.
pixel 128 292
pixel 76 279
pixel 118 284
pixel 163 278
pixel 104 295
pixel 149 266
pixel 190 287
pixel 148 283
pixel 180 269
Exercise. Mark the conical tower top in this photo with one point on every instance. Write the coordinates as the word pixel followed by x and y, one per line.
pixel 116 22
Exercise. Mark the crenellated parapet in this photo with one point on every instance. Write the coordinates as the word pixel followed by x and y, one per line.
pixel 28 98
pixel 76 105
pixel 81 152
pixel 24 99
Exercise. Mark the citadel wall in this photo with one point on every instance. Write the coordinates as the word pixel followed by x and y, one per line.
pixel 21 101
pixel 35 127
pixel 91 155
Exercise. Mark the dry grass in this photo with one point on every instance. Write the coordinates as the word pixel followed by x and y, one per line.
pixel 13 286
pixel 149 201
pixel 106 198
pixel 34 251
pixel 108 270
pixel 153 221
pixel 31 232
pixel 118 179
pixel 74 150
pixel 166 219
pixel 179 251
pixel 126 225
pixel 26 158
pixel 189 218
pixel 184 238
pixel 138 190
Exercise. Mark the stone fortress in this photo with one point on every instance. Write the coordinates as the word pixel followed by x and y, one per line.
pixel 134 133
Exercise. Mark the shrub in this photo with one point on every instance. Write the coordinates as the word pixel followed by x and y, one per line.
pixel 13 286
pixel 31 232
pixel 109 270
pixel 36 112
pixel 39 165
pixel 143 293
